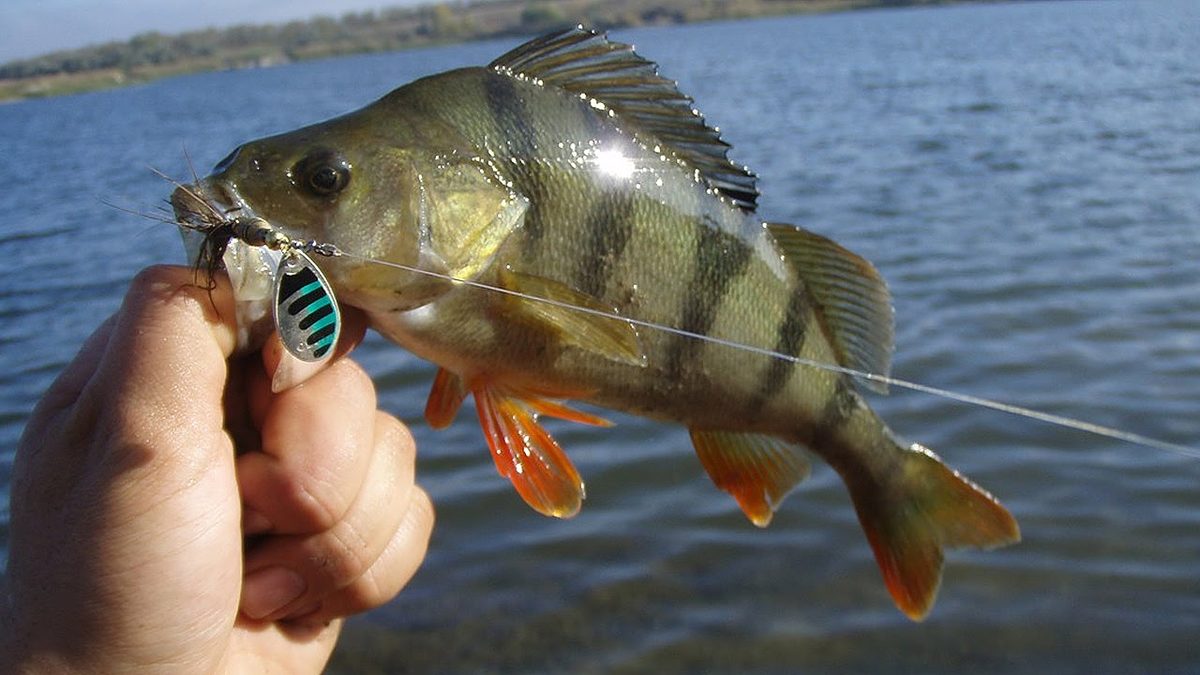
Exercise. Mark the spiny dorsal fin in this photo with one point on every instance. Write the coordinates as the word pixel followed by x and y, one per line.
pixel 853 296
pixel 586 62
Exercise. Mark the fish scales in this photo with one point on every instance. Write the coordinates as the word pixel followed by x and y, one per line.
pixel 570 170
pixel 702 238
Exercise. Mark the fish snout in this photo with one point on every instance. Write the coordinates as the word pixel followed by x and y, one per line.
pixel 204 211
pixel 205 204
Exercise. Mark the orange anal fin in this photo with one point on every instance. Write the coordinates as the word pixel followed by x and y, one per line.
pixel 527 455
pixel 759 471
pixel 445 398
pixel 930 506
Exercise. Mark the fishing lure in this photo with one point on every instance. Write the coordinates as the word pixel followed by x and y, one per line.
pixel 305 309
pixel 306 314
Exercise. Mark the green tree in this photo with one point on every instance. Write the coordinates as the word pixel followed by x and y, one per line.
pixel 540 18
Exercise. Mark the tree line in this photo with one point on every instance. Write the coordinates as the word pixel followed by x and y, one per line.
pixel 245 44
pixel 154 54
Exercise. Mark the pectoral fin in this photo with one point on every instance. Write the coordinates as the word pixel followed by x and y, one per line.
pixel 574 318
pixel 524 451
pixel 759 471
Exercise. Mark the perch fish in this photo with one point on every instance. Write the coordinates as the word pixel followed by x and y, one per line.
pixel 572 176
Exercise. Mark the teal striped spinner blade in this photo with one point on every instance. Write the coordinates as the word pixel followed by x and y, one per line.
pixel 306 312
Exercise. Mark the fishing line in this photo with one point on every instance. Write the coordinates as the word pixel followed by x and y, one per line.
pixel 329 250
pixel 969 399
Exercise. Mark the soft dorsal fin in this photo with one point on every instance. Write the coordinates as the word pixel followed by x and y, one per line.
pixel 853 296
pixel 586 62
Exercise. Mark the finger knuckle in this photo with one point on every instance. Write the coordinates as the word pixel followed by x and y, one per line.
pixel 365 593
pixel 391 430
pixel 315 501
pixel 347 556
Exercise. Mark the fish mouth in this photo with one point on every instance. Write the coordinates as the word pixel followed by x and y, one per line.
pixel 204 211
pixel 205 204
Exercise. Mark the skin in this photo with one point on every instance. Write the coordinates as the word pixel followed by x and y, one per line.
pixel 146 539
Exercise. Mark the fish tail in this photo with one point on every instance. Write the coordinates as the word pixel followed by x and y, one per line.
pixel 922 508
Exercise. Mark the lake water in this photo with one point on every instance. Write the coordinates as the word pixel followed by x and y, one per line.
pixel 1027 178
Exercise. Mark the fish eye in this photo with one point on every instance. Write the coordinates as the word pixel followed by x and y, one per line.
pixel 323 173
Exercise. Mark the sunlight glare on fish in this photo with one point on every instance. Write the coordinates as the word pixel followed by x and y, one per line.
pixel 612 162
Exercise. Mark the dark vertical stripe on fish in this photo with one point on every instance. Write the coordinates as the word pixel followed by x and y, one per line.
pixel 789 340
pixel 510 116
pixel 513 129
pixel 837 412
pixel 721 257
pixel 609 227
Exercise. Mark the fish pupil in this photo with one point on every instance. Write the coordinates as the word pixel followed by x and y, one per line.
pixel 323 173
pixel 326 179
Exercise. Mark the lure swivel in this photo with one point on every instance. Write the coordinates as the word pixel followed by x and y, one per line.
pixel 306 312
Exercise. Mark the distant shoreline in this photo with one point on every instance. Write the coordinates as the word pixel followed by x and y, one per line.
pixel 153 56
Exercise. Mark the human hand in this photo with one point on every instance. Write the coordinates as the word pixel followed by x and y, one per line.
pixel 141 542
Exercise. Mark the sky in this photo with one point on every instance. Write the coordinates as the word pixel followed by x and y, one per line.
pixel 34 27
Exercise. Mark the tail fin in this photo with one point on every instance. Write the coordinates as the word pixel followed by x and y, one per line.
pixel 909 520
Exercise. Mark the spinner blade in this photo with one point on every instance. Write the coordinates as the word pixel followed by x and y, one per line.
pixel 306 312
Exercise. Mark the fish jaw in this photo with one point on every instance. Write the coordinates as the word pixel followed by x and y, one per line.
pixel 202 210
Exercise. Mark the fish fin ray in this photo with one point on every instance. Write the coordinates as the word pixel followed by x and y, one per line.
pixel 526 454
pixel 586 62
pixel 930 507
pixel 445 398
pixel 549 408
pixel 758 470
pixel 597 331
pixel 854 299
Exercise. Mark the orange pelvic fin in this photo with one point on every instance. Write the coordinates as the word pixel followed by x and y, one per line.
pixel 759 471
pixel 524 451
pixel 929 506
pixel 445 398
